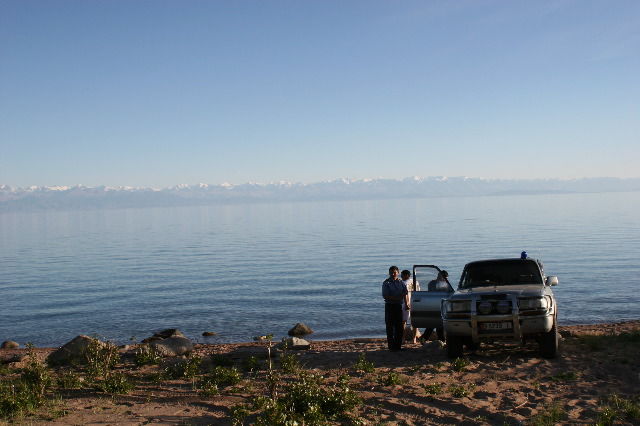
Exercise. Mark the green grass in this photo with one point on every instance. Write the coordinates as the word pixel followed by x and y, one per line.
pixel 617 409
pixel 68 379
pixel 390 379
pixel 250 364
pixel 460 364
pixel 308 400
pixel 116 383
pixel 101 358
pixel 458 391
pixel 23 395
pixel 549 416
pixel 147 355
pixel 220 377
pixel 433 389
pixel 186 369
pixel 289 363
pixel 362 365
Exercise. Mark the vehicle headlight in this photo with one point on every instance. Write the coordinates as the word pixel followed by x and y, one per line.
pixel 534 303
pixel 485 307
pixel 459 306
pixel 503 307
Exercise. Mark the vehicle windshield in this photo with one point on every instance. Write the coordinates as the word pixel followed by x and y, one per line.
pixel 500 272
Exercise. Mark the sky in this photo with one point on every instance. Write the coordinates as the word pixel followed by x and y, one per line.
pixel 158 93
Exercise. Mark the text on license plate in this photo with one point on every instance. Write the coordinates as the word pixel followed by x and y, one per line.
pixel 496 326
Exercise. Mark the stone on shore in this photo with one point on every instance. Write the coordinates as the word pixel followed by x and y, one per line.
pixel 9 344
pixel 73 351
pixel 294 343
pixel 172 346
pixel 300 329
pixel 164 334
pixel 243 352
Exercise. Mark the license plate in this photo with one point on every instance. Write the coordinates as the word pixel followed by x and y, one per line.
pixel 496 326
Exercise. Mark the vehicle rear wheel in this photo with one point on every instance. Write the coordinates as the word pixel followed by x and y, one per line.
pixel 454 346
pixel 549 343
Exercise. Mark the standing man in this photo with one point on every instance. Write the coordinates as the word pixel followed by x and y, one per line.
pixel 394 293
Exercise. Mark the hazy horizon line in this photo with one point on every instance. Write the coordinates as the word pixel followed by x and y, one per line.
pixel 283 182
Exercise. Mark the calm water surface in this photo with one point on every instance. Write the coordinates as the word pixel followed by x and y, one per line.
pixel 247 270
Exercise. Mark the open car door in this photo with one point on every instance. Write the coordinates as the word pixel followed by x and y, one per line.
pixel 426 305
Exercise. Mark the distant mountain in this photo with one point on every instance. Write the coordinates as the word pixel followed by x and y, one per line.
pixel 82 197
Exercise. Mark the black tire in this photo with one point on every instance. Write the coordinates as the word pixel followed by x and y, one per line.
pixel 549 343
pixel 454 346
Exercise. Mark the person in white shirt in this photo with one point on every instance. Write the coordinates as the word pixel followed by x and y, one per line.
pixel 406 314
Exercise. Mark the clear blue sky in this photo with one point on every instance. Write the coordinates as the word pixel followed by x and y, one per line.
pixel 156 93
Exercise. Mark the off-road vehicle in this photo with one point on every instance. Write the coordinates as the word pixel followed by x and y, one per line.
pixel 499 299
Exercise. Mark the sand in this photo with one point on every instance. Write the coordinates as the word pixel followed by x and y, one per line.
pixel 498 384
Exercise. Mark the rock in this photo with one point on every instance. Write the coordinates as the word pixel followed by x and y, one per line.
pixel 300 329
pixel 260 352
pixel 209 333
pixel 263 338
pixel 13 358
pixel 72 351
pixel 9 344
pixel 433 345
pixel 294 343
pixel 173 346
pixel 164 334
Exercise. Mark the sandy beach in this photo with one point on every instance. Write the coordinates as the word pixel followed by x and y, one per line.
pixel 595 379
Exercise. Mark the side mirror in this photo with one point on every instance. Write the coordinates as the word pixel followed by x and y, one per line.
pixel 552 280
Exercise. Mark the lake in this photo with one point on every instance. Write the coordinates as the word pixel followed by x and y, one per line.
pixel 254 269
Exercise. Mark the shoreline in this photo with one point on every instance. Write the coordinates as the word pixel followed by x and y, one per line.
pixel 498 384
pixel 210 340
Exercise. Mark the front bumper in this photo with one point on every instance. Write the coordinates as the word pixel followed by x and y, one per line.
pixel 512 326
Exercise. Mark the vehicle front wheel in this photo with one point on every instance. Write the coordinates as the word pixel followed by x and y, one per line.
pixel 549 343
pixel 454 346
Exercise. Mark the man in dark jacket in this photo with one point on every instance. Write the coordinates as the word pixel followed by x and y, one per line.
pixel 394 293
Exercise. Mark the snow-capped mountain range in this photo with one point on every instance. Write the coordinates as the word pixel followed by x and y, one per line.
pixel 79 196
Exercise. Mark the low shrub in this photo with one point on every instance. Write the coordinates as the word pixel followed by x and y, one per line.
pixel 308 401
pixel 25 394
pixel 289 363
pixel 238 414
pixel 390 379
pixel 250 364
pixel 186 369
pixel 619 409
pixel 459 364
pixel 362 365
pixel 433 389
pixel 458 391
pixel 549 416
pixel 224 376
pixel 116 383
pixel 147 355
pixel 68 379
pixel 101 358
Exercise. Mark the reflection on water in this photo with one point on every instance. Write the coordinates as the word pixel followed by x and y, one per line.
pixel 247 270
